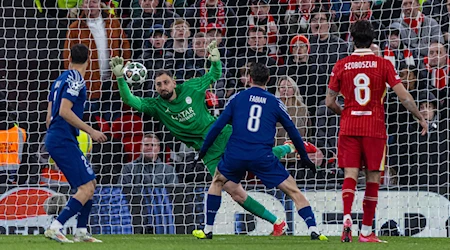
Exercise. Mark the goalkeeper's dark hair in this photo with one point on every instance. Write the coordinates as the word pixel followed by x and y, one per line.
pixel 163 72
pixel 259 73
pixel 362 34
pixel 79 53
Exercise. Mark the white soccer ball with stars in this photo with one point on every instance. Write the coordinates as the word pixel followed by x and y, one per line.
pixel 135 73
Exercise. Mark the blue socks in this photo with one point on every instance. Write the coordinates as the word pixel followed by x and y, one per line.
pixel 212 206
pixel 83 215
pixel 72 208
pixel 308 216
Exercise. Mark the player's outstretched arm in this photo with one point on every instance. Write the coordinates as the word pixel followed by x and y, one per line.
pixel 214 131
pixel 128 98
pixel 215 72
pixel 331 103
pixel 409 103
pixel 65 111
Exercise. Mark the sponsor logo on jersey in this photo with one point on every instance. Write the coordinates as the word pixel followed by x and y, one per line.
pixel 167 110
pixel 188 100
pixel 184 115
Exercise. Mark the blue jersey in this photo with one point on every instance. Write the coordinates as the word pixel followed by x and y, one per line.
pixel 254 114
pixel 69 85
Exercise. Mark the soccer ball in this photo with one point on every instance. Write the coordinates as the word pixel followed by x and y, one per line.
pixel 134 73
pixel 54 204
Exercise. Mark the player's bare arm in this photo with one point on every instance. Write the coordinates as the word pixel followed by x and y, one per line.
pixel 65 111
pixel 331 103
pixel 409 103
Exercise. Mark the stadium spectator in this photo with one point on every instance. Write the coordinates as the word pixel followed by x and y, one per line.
pixel 417 30
pixel 215 96
pixel 261 17
pixel 12 141
pixel 326 48
pixel 206 12
pixel 310 77
pixel 155 50
pixel 397 117
pixel 149 168
pixel 360 10
pixel 153 13
pixel 242 83
pixel 227 53
pixel 256 51
pixel 181 63
pixel 375 49
pixel 443 18
pixel 103 35
pixel 298 14
pixel 397 52
pixel 437 65
pixel 288 92
pixel 424 163
pixel 327 125
pixel 92 29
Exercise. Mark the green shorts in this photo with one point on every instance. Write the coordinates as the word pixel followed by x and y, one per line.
pixel 215 152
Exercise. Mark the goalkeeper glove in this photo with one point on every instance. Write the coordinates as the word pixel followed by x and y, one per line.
pixel 198 157
pixel 307 163
pixel 214 54
pixel 116 64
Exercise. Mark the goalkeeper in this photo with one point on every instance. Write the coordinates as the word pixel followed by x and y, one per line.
pixel 182 109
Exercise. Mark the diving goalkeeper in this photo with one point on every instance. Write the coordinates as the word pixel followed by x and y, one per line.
pixel 182 109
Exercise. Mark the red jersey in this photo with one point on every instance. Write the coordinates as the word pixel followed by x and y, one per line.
pixel 361 78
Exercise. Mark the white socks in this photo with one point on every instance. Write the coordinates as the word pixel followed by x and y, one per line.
pixel 366 230
pixel 208 229
pixel 81 231
pixel 313 229
pixel 56 225
pixel 347 217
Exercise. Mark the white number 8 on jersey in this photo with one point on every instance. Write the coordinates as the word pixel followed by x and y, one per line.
pixel 253 118
pixel 362 82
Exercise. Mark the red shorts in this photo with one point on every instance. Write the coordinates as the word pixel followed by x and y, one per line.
pixel 359 152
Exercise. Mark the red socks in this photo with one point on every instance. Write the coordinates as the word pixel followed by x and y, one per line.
pixel 370 202
pixel 348 194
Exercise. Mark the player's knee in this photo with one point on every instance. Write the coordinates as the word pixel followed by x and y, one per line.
pixel 87 189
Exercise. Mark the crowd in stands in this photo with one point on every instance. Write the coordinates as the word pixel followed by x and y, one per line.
pixel 298 40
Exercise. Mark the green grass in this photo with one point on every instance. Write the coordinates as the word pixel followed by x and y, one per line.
pixel 185 242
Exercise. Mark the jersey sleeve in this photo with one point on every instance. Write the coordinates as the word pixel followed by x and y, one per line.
pixel 202 83
pixel 392 76
pixel 145 105
pixel 217 127
pixel 289 126
pixel 335 78
pixel 71 89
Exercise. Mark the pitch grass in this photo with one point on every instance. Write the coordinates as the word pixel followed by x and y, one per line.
pixel 187 242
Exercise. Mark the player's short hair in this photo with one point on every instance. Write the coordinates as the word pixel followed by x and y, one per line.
pixel 259 73
pixel 362 33
pixel 199 35
pixel 163 72
pixel 79 53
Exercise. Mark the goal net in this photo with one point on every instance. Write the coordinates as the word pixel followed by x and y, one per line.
pixel 147 182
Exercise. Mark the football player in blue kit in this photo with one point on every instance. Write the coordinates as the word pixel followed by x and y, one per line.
pixel 254 114
pixel 65 110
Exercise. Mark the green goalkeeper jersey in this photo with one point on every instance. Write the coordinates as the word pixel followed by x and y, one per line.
pixel 187 116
